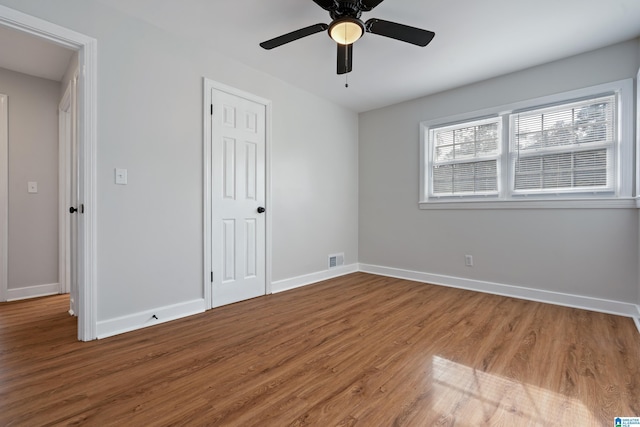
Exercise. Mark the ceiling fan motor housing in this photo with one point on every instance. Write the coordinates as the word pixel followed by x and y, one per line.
pixel 346 9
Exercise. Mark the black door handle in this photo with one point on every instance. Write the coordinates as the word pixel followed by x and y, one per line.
pixel 73 210
pixel 261 209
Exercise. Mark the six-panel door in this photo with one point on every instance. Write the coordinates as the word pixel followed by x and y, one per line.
pixel 238 190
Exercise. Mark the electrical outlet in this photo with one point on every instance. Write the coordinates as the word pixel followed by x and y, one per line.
pixel 468 260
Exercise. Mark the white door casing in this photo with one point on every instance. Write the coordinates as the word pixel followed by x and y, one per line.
pixel 237 186
pixel 4 194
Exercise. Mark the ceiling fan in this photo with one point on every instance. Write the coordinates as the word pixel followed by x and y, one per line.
pixel 346 28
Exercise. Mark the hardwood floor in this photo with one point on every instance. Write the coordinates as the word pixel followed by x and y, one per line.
pixel 359 350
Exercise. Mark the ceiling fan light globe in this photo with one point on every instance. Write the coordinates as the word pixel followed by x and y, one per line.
pixel 346 31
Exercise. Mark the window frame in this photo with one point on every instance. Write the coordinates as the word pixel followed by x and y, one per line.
pixel 623 153
pixel 497 157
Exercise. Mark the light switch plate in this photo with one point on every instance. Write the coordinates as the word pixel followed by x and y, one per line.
pixel 121 176
pixel 32 187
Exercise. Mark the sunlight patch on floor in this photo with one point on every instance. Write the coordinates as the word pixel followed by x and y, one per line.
pixel 484 398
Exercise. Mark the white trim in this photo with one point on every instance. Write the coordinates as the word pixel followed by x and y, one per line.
pixel 636 319
pixel 208 86
pixel 87 140
pixel 33 291
pixel 268 204
pixel 206 188
pixel 143 319
pixel 310 279
pixel 4 197
pixel 625 150
pixel 539 295
pixel 529 203
pixel 637 192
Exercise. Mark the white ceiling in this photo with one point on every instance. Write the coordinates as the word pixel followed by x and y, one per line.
pixel 475 40
pixel 31 55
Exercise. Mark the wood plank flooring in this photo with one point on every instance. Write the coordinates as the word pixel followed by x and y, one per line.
pixel 358 350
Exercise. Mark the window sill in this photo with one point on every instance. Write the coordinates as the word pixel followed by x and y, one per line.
pixel 617 203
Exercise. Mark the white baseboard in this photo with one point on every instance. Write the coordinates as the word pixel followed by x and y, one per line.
pixel 308 279
pixel 143 319
pixel 550 297
pixel 33 291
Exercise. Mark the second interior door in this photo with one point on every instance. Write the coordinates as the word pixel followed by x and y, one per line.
pixel 238 133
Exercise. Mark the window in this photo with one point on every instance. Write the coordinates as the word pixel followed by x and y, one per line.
pixel 568 147
pixel 465 158
pixel 576 145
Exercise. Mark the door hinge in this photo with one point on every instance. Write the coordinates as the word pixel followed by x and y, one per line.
pixel 212 277
pixel 212 109
pixel 82 208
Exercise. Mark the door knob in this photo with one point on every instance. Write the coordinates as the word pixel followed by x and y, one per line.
pixel 261 209
pixel 73 210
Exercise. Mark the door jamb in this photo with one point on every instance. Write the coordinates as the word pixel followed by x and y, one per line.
pixel 64 141
pixel 4 196
pixel 87 144
pixel 208 86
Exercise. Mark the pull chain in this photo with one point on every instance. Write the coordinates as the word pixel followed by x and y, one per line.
pixel 346 60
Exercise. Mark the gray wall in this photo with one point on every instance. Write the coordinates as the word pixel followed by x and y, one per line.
pixel 582 252
pixel 150 232
pixel 33 156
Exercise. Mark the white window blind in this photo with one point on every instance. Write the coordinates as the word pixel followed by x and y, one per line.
pixel 465 158
pixel 566 147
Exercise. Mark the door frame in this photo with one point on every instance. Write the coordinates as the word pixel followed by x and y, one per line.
pixel 87 161
pixel 208 86
pixel 4 195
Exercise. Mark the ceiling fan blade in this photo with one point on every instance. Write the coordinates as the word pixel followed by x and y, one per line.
pixel 294 35
pixel 345 58
pixel 327 4
pixel 368 5
pixel 400 32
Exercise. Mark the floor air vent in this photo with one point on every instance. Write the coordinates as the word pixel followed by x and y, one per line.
pixel 336 260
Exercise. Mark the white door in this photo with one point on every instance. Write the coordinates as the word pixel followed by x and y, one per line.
pixel 238 138
pixel 69 195
pixel 74 203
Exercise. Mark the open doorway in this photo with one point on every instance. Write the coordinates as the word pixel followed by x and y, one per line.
pixel 30 173
pixel 82 130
